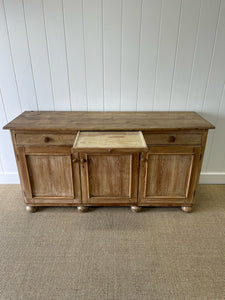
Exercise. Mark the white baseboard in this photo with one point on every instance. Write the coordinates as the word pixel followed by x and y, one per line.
pixel 212 178
pixel 205 178
pixel 9 178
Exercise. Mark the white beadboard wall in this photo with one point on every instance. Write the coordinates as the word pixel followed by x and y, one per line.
pixel 114 55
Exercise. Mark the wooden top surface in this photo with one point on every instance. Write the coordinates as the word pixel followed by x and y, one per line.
pixel 146 121
pixel 112 140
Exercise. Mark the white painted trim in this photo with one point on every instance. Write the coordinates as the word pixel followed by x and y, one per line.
pixel 205 178
pixel 212 178
pixel 9 178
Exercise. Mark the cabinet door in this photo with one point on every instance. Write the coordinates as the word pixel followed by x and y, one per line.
pixel 168 175
pixel 49 175
pixel 109 178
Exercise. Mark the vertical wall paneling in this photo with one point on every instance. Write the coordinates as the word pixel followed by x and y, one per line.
pixel 203 52
pixel 171 12
pixel 1 168
pixel 131 21
pixel 73 18
pixel 216 79
pixel 216 161
pixel 10 105
pixel 92 11
pixel 21 53
pixel 54 21
pixel 112 53
pixel 6 149
pixel 185 52
pixel 8 82
pixel 39 53
pixel 2 121
pixel 151 17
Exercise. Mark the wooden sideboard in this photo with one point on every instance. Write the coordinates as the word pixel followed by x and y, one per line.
pixel 87 159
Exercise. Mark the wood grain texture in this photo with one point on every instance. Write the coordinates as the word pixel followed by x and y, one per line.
pixel 110 140
pixel 173 138
pixel 44 139
pixel 109 176
pixel 168 175
pixel 53 172
pixel 109 179
pixel 50 176
pixel 146 121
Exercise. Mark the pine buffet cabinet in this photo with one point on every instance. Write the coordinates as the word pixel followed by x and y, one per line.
pixel 87 159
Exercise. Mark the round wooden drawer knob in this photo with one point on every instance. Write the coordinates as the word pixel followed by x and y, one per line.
pixel 172 139
pixel 46 139
pixel 75 160
pixel 83 160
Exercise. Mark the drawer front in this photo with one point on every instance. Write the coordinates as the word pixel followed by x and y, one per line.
pixel 45 139
pixel 173 138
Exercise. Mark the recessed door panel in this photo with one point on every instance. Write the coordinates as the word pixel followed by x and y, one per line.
pixel 109 178
pixel 50 176
pixel 168 174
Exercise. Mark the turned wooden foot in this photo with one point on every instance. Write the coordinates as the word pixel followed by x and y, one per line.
pixel 187 209
pixel 82 209
pixel 136 208
pixel 31 209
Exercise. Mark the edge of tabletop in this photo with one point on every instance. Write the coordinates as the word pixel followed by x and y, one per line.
pixel 11 126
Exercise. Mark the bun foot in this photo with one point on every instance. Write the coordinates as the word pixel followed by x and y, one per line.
pixel 187 209
pixel 82 209
pixel 136 208
pixel 31 209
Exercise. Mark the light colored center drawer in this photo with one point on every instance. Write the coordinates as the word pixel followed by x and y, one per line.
pixel 45 139
pixel 173 138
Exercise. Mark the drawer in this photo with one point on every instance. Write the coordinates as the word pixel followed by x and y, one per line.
pixel 117 141
pixel 45 139
pixel 173 138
